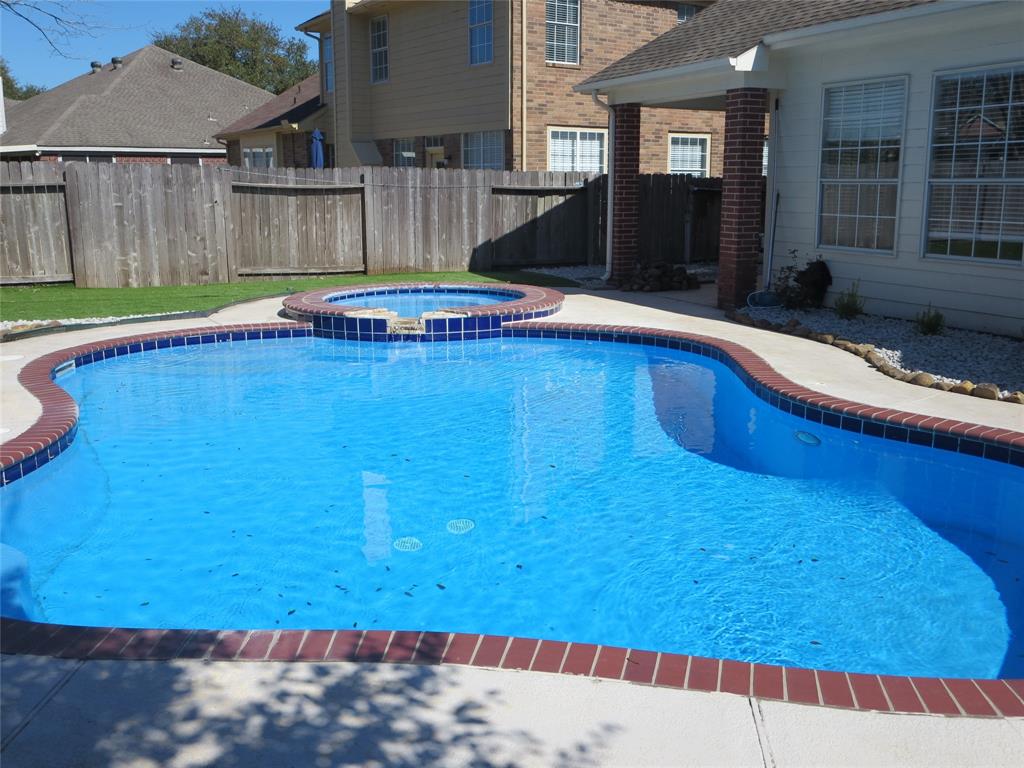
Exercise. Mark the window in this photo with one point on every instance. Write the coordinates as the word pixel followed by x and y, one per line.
pixel 327 62
pixel 405 153
pixel 976 173
pixel 562 33
pixel 379 71
pixel 258 157
pixel 481 31
pixel 764 159
pixel 861 143
pixel 485 149
pixel 688 153
pixel 576 149
pixel 685 12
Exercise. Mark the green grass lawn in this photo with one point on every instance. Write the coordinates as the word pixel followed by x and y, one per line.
pixel 55 302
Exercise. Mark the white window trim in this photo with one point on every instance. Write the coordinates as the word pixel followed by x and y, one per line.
pixel 386 48
pixel 923 254
pixel 578 129
pixel 668 156
pixel 579 39
pixel 395 151
pixel 879 252
pixel 469 38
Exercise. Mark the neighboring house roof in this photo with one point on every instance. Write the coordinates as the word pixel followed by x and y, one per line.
pixel 8 103
pixel 730 27
pixel 144 103
pixel 297 103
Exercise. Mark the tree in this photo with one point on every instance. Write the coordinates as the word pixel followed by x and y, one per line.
pixel 243 46
pixel 57 21
pixel 12 90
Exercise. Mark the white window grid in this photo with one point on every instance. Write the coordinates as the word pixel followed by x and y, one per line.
pixel 576 149
pixel 484 149
pixel 404 153
pixel 481 32
pixel 975 207
pixel 562 31
pixel 328 63
pixel 685 12
pixel 379 65
pixel 689 153
pixel 258 157
pixel 859 169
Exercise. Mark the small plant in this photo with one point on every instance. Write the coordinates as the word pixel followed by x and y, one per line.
pixel 849 304
pixel 930 322
pixel 802 288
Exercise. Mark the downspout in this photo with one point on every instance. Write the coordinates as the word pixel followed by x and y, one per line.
pixel 522 82
pixel 610 204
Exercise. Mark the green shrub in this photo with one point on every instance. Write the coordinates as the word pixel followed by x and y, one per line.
pixel 849 304
pixel 930 322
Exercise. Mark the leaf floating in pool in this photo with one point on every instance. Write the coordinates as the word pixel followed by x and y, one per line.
pixel 387 568
pixel 308 603
pixel 233 575
pixel 815 642
pixel 378 589
pixel 145 603
pixel 696 582
pixel 291 611
pixel 551 465
pixel 408 544
pixel 814 559
pixel 355 624
pixel 519 566
pixel 407 594
pixel 441 586
pixel 460 525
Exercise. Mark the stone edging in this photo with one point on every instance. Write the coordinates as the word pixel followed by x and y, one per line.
pixel 876 361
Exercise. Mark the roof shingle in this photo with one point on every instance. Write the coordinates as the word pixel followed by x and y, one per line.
pixel 143 103
pixel 297 103
pixel 730 27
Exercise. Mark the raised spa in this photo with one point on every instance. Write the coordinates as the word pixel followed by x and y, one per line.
pixel 584 490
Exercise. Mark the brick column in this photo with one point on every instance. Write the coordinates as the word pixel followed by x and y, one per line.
pixel 741 227
pixel 626 194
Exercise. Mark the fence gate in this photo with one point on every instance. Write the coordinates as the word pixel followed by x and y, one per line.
pixel 297 221
pixel 34 242
pixel 540 223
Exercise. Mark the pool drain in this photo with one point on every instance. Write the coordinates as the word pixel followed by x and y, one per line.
pixel 807 438
pixel 408 544
pixel 460 525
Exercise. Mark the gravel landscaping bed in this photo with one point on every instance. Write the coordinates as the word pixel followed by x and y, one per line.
pixel 952 356
pixel 26 325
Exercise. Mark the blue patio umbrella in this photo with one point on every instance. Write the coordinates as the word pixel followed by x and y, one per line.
pixel 316 158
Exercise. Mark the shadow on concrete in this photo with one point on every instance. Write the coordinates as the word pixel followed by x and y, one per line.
pixel 298 714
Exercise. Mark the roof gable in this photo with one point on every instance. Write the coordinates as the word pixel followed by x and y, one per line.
pixel 143 103
pixel 297 103
pixel 730 27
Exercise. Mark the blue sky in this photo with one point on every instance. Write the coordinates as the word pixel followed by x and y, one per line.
pixel 123 26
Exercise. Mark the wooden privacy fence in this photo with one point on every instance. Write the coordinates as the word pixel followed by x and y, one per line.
pixel 34 241
pixel 679 218
pixel 126 225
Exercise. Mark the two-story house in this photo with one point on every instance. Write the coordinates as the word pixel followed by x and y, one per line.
pixel 489 84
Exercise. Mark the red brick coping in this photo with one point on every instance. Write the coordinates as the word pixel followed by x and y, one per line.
pixel 525 301
pixel 884 693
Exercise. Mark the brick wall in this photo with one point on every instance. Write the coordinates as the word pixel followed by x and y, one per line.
pixel 739 244
pixel 609 29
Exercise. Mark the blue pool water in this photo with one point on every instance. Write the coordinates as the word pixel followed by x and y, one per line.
pixel 594 492
pixel 415 304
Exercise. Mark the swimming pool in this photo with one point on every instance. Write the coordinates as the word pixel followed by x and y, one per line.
pixel 414 304
pixel 577 490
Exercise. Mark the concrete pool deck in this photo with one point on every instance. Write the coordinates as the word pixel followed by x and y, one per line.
pixel 59 712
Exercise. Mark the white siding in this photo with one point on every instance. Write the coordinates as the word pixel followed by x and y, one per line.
pixel 979 295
